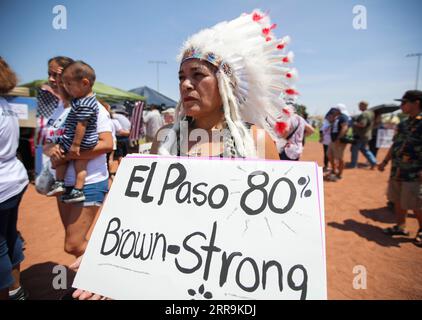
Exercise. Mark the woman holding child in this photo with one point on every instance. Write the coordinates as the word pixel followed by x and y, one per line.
pixel 77 217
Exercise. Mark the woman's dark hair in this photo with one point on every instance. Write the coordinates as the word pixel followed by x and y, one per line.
pixel 8 79
pixel 61 61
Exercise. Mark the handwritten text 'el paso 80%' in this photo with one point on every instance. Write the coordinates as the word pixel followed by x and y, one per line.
pixel 200 194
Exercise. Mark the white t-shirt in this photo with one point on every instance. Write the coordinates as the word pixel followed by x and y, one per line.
pixel 153 122
pixel 97 167
pixel 116 127
pixel 13 176
pixel 124 121
pixel 326 132
pixel 55 124
pixel 294 147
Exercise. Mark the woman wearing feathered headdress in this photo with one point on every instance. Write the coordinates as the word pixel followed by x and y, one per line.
pixel 234 81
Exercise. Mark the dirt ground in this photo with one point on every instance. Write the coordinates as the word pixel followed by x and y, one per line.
pixel 356 211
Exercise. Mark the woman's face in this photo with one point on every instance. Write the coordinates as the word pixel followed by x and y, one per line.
pixel 54 74
pixel 198 87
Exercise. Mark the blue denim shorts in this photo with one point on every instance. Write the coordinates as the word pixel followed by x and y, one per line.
pixel 11 246
pixel 94 193
pixel 8 260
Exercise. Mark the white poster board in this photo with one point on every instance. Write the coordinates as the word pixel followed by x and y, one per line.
pixel 195 228
pixel 385 138
pixel 21 110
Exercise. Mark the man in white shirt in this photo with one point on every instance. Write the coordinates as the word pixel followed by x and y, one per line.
pixel 122 136
pixel 153 122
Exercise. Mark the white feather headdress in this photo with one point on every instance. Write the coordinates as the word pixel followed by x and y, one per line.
pixel 255 77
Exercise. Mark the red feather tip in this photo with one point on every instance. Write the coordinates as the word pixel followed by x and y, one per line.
pixel 286 60
pixel 280 127
pixel 280 46
pixel 291 91
pixel 268 39
pixel 256 17
pixel 266 31
pixel 288 75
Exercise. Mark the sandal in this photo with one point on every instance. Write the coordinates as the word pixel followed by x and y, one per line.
pixel 418 239
pixel 396 231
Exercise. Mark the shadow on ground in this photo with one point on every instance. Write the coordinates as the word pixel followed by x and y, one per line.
pixel 369 232
pixel 39 280
pixel 384 214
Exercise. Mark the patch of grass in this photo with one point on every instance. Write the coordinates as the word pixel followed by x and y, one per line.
pixel 314 136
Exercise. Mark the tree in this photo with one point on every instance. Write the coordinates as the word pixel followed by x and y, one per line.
pixel 301 110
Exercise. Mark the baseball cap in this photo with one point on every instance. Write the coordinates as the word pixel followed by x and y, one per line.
pixel 342 108
pixel 411 95
pixel 169 110
pixel 119 109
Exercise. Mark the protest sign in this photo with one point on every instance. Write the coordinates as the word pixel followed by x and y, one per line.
pixel 25 108
pixel 195 228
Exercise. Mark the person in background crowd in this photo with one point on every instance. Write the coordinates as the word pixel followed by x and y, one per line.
pixel 112 162
pixel 405 184
pixel 299 129
pixel 336 148
pixel 168 116
pixel 325 136
pixel 13 183
pixel 373 142
pixel 122 136
pixel 153 122
pixel 362 129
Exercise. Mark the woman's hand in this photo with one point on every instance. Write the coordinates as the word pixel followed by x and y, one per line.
pixel 86 295
pixel 75 266
pixel 56 153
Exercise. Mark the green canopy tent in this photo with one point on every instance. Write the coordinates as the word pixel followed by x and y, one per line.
pixel 108 93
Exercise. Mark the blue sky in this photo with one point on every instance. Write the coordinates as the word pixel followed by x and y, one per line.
pixel 336 63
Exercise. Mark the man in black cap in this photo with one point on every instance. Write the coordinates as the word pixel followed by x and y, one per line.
pixel 405 184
